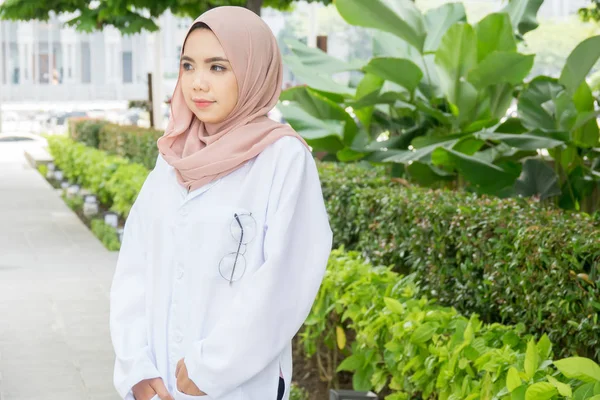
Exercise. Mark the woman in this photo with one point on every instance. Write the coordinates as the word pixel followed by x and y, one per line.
pixel 226 245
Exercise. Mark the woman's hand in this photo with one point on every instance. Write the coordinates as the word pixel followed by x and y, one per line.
pixel 148 388
pixel 184 384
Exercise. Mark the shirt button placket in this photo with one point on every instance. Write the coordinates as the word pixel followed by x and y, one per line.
pixel 175 331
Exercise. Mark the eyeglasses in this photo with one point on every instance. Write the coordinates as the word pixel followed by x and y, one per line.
pixel 243 230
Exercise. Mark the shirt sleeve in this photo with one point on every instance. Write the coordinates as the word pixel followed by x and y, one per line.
pixel 128 324
pixel 270 309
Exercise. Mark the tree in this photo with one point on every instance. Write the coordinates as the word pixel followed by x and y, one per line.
pixel 591 13
pixel 129 16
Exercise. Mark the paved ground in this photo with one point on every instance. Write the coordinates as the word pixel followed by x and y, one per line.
pixel 54 284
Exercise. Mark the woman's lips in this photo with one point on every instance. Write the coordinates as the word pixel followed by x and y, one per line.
pixel 203 104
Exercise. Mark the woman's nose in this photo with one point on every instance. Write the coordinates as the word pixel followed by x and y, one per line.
pixel 200 83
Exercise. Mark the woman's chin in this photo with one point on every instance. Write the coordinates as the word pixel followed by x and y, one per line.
pixel 208 118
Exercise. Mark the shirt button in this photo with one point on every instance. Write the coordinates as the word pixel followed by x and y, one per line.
pixel 184 212
pixel 180 273
pixel 178 337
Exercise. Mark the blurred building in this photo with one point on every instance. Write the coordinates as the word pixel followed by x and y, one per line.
pixel 46 61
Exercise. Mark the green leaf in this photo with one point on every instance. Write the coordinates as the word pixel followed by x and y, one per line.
pixel 580 368
pixel 420 154
pixel 519 393
pixel 585 131
pixel 371 99
pixel 513 380
pixel 401 71
pixel 486 388
pixel 580 62
pixel 565 111
pixel 584 98
pixel 426 174
pixel 322 108
pixel 563 388
pixel 321 134
pixel 511 125
pixel 523 14
pixel 394 305
pixel 400 17
pixel 468 145
pixel 423 333
pixel 361 380
pixel 544 347
pixel 455 57
pixel 522 141
pixel 501 67
pixel 369 84
pixel 532 360
pixel 584 392
pixel 351 363
pixel 317 81
pixel 315 103
pixel 318 60
pixel 537 179
pixel 540 391
pixel 349 155
pixel 489 178
pixel 500 97
pixel 439 20
pixel 511 339
pixel 427 108
pixel 494 33
pixel 531 108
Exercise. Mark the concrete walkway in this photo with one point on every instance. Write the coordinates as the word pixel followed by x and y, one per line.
pixel 54 283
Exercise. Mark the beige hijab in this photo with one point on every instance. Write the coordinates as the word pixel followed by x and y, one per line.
pixel 201 152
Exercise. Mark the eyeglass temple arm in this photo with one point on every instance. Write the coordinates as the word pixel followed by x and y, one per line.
pixel 237 254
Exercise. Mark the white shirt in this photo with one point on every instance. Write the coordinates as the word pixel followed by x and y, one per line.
pixel 170 299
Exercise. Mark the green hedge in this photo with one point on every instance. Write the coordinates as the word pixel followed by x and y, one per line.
pixel 86 131
pixel 509 260
pixel 106 234
pixel 113 179
pixel 136 144
pixel 407 346
pixel 128 141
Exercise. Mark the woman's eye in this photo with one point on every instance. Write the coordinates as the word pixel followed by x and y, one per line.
pixel 218 68
pixel 187 66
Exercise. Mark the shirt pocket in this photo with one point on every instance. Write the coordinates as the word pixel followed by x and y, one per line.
pixel 228 241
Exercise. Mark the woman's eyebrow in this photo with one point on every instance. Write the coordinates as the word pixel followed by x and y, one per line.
pixel 215 59
pixel 186 58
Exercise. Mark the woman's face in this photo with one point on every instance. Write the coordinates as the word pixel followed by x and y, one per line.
pixel 208 83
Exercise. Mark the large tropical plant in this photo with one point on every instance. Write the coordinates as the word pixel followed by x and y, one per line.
pixel 434 98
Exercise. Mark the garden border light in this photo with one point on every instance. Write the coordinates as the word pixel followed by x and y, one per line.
pixel 351 395
pixel 73 190
pixel 111 219
pixel 90 205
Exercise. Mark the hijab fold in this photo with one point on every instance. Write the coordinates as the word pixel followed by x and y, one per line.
pixel 200 152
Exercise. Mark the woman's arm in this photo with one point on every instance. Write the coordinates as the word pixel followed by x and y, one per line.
pixel 128 325
pixel 272 306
